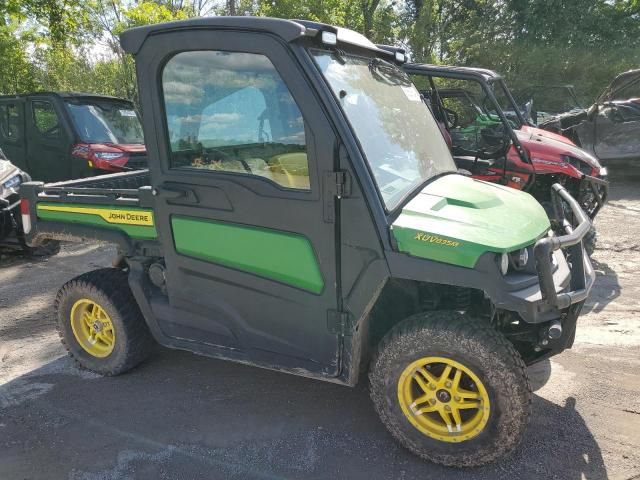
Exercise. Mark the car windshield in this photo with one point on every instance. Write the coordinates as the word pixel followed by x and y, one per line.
pixel 506 102
pixel 106 122
pixel 401 140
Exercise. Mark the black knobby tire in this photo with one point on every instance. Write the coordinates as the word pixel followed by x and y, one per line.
pixel 48 249
pixel 109 288
pixel 475 344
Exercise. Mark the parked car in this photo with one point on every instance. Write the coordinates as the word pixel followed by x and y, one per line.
pixel 59 136
pixel 501 147
pixel 11 232
pixel 292 218
pixel 610 128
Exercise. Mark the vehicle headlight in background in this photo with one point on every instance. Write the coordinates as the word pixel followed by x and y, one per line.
pixel 579 165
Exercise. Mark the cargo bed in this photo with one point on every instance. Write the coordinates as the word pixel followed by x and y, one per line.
pixel 116 208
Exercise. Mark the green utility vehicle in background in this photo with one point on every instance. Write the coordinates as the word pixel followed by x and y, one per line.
pixel 302 212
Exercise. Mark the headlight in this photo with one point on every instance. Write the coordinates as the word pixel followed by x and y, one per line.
pixel 520 258
pixel 504 263
pixel 517 260
pixel 604 172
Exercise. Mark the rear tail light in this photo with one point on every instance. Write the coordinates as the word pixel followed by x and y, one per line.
pixel 100 156
pixel 25 212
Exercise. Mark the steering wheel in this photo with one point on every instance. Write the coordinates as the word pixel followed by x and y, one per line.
pixel 224 157
pixel 451 117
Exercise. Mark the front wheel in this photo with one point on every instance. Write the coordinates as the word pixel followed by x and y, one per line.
pixel 451 389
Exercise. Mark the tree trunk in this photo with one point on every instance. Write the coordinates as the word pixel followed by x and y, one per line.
pixel 231 7
pixel 368 11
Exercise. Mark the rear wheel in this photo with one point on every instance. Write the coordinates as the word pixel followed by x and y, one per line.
pixel 100 323
pixel 451 389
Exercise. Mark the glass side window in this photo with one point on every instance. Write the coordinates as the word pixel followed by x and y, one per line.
pixel 231 112
pixel 9 122
pixel 45 119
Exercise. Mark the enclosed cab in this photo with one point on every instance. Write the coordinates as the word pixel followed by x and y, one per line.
pixel 293 217
pixel 60 136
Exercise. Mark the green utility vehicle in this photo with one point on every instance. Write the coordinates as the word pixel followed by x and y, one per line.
pixel 302 212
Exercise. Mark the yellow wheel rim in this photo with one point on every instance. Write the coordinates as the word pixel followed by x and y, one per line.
pixel 92 328
pixel 443 399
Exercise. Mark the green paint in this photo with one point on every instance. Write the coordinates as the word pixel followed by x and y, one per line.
pixel 282 256
pixel 134 231
pixel 481 217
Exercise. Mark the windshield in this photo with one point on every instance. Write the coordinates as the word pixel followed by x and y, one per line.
pixel 106 122
pixel 506 102
pixel 402 142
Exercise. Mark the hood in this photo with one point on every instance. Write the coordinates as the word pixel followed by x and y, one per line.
pixel 11 177
pixel 7 169
pixel 545 133
pixel 456 219
pixel 544 149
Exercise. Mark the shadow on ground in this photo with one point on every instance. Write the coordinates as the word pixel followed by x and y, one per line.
pixel 184 416
pixel 605 289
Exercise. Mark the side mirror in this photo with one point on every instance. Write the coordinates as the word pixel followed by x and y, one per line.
pixel 593 111
pixel 527 109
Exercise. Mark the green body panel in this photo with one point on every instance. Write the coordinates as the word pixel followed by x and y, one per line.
pixel 456 219
pixel 91 217
pixel 283 256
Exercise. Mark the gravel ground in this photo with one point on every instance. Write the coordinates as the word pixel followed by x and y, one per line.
pixel 184 416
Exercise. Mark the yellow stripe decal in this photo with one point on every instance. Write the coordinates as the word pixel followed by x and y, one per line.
pixel 116 216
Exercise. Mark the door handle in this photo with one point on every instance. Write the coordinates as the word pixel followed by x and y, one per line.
pixel 169 193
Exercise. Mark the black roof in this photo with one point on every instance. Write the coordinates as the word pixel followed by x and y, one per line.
pixel 460 72
pixel 131 40
pixel 289 30
pixel 66 95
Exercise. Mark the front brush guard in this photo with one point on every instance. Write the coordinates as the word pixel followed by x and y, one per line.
pixel 581 282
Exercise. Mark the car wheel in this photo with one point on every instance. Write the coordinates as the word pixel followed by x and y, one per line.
pixel 451 389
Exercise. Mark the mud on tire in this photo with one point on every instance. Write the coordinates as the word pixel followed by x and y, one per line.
pixel 474 344
pixel 109 288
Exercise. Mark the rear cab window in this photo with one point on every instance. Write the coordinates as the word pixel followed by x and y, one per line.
pixel 231 112
pixel 10 122
pixel 45 119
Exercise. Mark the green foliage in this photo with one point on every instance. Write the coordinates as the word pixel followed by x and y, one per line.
pixel 73 44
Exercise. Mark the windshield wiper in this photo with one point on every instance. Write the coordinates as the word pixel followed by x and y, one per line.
pixel 387 72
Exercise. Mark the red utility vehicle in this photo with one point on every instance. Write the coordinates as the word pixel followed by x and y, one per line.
pixel 498 145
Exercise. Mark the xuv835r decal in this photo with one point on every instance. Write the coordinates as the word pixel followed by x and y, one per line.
pixel 135 222
pixel 274 254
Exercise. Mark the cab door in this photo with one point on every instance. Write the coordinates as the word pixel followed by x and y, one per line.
pixel 12 134
pixel 242 148
pixel 617 130
pixel 617 124
pixel 48 148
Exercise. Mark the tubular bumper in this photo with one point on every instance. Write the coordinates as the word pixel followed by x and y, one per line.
pixel 582 274
pixel 599 188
